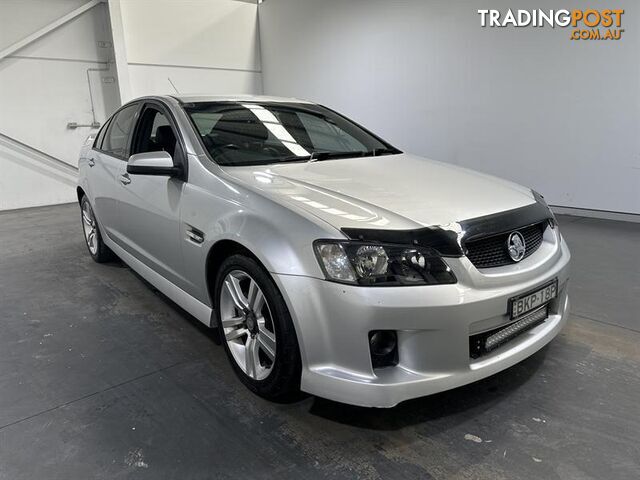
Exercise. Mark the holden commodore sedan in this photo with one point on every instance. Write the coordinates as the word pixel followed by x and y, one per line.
pixel 328 260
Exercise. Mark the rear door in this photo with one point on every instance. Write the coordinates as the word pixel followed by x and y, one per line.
pixel 149 210
pixel 109 154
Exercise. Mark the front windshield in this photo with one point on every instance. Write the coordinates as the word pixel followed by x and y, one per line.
pixel 238 133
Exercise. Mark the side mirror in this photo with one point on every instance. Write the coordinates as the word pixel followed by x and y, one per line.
pixel 153 163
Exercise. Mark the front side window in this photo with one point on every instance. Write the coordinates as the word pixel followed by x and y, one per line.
pixel 115 140
pixel 251 133
pixel 154 133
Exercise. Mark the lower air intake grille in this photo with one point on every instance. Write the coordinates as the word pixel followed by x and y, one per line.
pixel 483 343
pixel 492 251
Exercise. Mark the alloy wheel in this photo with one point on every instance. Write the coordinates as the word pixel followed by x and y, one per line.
pixel 247 324
pixel 90 228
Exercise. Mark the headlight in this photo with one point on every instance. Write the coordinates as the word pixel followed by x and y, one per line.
pixel 373 264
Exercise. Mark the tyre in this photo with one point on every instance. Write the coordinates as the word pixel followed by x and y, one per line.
pixel 93 238
pixel 256 329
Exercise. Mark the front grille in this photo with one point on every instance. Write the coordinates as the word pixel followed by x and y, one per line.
pixel 483 343
pixel 492 251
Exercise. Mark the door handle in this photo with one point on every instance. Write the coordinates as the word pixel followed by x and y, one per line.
pixel 91 162
pixel 124 179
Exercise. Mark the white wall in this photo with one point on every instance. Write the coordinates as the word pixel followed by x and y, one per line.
pixel 526 104
pixel 203 46
pixel 44 86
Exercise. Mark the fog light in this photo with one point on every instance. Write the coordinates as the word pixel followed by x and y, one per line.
pixel 383 345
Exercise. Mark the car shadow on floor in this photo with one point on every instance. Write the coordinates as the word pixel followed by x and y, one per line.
pixel 475 397
pixel 212 333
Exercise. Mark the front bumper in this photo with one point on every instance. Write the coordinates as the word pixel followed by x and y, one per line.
pixel 433 325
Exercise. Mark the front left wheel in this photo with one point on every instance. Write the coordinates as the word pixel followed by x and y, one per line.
pixel 93 238
pixel 256 329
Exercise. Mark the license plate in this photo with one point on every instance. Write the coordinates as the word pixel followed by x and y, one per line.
pixel 523 304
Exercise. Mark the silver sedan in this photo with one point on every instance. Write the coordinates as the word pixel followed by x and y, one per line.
pixel 328 260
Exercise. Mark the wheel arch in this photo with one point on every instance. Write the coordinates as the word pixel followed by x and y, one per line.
pixel 218 252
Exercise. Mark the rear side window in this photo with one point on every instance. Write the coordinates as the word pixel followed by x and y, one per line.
pixel 115 140
pixel 100 137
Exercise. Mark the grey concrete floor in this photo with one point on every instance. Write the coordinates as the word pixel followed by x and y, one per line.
pixel 101 377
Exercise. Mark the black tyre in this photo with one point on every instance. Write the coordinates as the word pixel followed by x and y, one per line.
pixel 93 238
pixel 256 329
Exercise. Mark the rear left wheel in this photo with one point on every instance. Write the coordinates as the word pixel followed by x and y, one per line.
pixel 93 238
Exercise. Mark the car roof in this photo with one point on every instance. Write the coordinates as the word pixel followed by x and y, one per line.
pixel 194 98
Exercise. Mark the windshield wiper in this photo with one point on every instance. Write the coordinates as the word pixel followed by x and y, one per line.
pixel 319 156
pixel 382 151
pixel 293 158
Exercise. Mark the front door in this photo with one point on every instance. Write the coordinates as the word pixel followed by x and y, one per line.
pixel 149 210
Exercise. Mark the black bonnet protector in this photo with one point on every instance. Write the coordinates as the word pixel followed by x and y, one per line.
pixel 450 243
